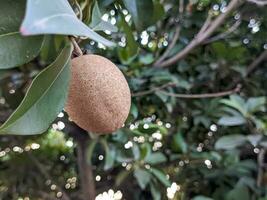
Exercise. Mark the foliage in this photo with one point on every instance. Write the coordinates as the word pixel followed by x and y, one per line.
pixel 190 147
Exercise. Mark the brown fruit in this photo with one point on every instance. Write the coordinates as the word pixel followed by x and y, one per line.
pixel 99 97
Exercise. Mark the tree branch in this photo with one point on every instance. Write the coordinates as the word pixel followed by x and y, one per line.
pixel 203 96
pixel 170 47
pixel 176 34
pixel 252 67
pixel 152 90
pixel 224 34
pixel 186 96
pixel 85 170
pixel 201 36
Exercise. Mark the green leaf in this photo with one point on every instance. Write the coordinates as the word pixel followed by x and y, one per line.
pixel 42 18
pixel 239 192
pixel 109 155
pixel 136 151
pixel 158 12
pixel 236 102
pixel 128 53
pixel 160 176
pixel 230 142
pixel 232 120
pixel 143 177
pixel 15 50
pixel 179 142
pixel 200 197
pixel 254 139
pixel 134 110
pixel 97 24
pixel 121 177
pixel 256 104
pixel 141 11
pixel 155 158
pixel 155 192
pixel 44 99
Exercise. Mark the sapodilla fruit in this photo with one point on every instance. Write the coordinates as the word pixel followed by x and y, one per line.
pixel 99 97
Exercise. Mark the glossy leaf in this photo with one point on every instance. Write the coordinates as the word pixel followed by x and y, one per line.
pixel 97 24
pixel 109 155
pixel 155 192
pixel 232 120
pixel 180 143
pixel 161 177
pixel 129 52
pixel 141 11
pixel 155 158
pixel 15 50
pixel 230 142
pixel 44 99
pixel 143 177
pixel 42 18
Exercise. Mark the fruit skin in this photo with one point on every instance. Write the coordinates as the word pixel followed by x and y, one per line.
pixel 99 97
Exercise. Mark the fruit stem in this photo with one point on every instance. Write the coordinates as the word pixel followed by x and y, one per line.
pixel 77 48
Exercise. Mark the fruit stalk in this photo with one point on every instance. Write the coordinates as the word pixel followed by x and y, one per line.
pixel 77 48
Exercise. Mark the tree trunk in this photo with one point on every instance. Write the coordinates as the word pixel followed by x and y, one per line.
pixel 85 170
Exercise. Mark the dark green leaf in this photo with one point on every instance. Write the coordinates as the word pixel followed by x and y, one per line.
pixel 15 50
pixel 230 142
pixel 179 142
pixel 109 155
pixel 161 177
pixel 141 11
pixel 128 53
pixel 239 192
pixel 143 177
pixel 232 120
pixel 155 158
pixel 155 192
pixel 121 177
pixel 44 99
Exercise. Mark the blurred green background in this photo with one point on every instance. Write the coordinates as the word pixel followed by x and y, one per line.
pixel 174 145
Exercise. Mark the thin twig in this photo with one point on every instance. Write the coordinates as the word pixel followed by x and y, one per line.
pixel 203 96
pixel 186 96
pixel 176 35
pixel 152 90
pixel 256 62
pixel 170 47
pixel 201 36
pixel 77 48
pixel 206 24
pixel 252 67
pixel 224 34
